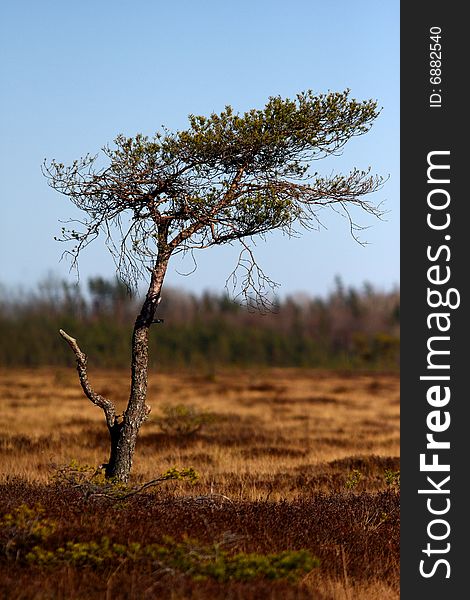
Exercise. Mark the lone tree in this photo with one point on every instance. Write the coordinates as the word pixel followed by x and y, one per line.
pixel 226 178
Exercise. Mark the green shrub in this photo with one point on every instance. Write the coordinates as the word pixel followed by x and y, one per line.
pixel 25 533
pixel 187 557
pixel 22 528
pixel 353 479
pixel 392 478
pixel 182 420
pixel 91 482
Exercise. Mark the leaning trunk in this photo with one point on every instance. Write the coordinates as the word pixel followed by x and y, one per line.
pixel 124 437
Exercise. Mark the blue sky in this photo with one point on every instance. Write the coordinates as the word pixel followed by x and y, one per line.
pixel 76 74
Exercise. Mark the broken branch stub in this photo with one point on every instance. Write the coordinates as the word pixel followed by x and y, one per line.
pixel 106 405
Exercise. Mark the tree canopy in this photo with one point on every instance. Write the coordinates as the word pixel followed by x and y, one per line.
pixel 226 178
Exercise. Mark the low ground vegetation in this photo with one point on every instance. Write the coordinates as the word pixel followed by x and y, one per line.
pixel 291 488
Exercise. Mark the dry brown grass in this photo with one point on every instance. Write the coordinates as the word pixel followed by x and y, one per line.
pixel 268 424
pixel 278 437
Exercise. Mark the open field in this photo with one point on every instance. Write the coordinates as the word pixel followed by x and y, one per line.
pixel 288 459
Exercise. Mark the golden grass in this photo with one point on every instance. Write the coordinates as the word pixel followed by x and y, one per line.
pixel 337 589
pixel 269 424
pixel 277 434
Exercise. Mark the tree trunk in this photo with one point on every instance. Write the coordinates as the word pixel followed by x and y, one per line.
pixel 114 434
pixel 124 436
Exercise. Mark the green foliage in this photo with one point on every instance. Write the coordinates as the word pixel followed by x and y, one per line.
pixel 25 533
pixel 173 473
pixel 393 479
pixel 23 527
pixel 86 478
pixel 206 330
pixel 187 557
pixel 182 419
pixel 275 137
pixel 202 562
pixel 225 178
pixel 353 479
pixel 329 520
pixel 92 482
pixel 378 346
pixel 92 554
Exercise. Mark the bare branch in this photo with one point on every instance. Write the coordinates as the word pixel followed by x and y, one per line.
pixel 255 287
pixel 106 405
pixel 207 219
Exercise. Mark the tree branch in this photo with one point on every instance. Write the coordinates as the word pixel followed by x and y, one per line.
pixel 106 405
pixel 227 198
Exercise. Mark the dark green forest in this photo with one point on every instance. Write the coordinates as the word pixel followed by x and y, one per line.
pixel 349 328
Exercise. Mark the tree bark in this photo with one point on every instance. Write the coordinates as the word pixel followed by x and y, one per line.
pixel 112 420
pixel 123 430
pixel 125 437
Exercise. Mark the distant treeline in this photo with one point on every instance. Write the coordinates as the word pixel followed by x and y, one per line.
pixel 349 328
